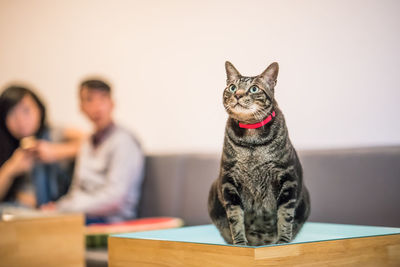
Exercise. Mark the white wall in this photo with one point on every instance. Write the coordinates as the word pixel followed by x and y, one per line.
pixel 338 85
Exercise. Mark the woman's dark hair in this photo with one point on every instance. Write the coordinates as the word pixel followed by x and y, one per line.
pixel 10 97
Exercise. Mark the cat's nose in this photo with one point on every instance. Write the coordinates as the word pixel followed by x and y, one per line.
pixel 239 95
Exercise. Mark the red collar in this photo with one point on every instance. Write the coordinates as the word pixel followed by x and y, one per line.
pixel 258 124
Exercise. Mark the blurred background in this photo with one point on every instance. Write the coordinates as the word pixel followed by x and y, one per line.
pixel 339 64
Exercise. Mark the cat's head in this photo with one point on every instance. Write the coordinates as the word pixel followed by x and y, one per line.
pixel 250 99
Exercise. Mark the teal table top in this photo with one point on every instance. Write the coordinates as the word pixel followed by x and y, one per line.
pixel 311 232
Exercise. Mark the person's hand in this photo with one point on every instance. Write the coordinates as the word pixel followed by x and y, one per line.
pixel 45 151
pixel 20 162
pixel 27 199
pixel 51 206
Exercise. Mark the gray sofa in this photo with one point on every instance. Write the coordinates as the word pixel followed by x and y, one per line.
pixel 352 186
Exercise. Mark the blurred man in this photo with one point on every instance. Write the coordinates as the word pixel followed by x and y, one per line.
pixel 109 170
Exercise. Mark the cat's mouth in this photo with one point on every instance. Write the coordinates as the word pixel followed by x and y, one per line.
pixel 241 107
pixel 241 113
pixel 238 108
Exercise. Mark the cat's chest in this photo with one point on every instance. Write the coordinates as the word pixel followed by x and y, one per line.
pixel 252 164
pixel 254 171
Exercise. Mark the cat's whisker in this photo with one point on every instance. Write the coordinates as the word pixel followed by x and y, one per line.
pixel 256 115
pixel 262 114
pixel 259 115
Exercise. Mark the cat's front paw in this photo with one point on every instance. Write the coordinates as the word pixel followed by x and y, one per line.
pixel 283 240
pixel 280 242
pixel 241 242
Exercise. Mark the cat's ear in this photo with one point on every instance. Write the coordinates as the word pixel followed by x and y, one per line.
pixel 270 74
pixel 231 72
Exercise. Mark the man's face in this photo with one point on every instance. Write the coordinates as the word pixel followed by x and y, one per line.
pixel 97 106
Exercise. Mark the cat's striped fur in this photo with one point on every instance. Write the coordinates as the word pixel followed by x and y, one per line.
pixel 259 197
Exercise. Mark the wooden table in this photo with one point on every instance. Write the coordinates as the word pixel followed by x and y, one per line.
pixel 318 244
pixel 36 239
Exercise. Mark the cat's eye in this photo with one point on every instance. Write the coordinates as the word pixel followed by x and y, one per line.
pixel 232 88
pixel 254 89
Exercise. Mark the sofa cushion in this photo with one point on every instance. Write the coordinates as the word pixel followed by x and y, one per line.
pixel 355 186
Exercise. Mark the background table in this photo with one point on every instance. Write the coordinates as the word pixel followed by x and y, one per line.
pixel 34 239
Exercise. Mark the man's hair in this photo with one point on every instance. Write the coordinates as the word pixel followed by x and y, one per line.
pixel 95 85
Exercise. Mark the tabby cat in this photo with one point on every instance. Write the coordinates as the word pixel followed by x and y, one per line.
pixel 259 197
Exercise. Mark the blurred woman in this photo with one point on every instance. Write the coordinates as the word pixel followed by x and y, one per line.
pixel 33 170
